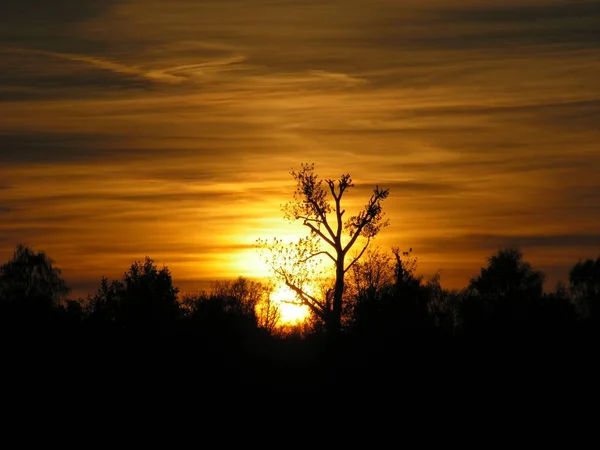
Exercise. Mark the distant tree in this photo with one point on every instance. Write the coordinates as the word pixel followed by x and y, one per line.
pixel 370 281
pixel 507 291
pixel 75 309
pixel 72 311
pixel 405 272
pixel 30 282
pixel 268 312
pixel 241 297
pixel 400 302
pixel 372 277
pixel 507 275
pixel 148 293
pixel 145 295
pixel 442 305
pixel 411 298
pixel 556 311
pixel 324 218
pixel 584 281
pixel 232 306
pixel 105 304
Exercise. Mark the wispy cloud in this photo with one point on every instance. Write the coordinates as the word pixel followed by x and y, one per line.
pixel 171 75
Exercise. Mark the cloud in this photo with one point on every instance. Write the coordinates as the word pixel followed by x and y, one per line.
pixel 406 188
pixel 464 26
pixel 493 242
pixel 56 11
pixel 28 74
pixel 526 13
pixel 53 148
pixel 169 75
pixel 111 66
pixel 52 25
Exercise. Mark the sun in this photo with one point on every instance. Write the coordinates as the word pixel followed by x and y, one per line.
pixel 292 313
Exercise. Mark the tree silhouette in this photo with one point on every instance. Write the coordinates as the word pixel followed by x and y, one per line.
pixel 508 291
pixel 30 283
pixel 241 297
pixel 410 300
pixel 442 305
pixel 370 284
pixel 404 270
pixel 508 275
pixel 149 294
pixel 268 312
pixel 373 277
pixel 105 305
pixel 324 218
pixel 146 295
pixel 584 281
pixel 232 309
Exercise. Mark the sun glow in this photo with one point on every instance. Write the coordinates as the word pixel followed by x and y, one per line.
pixel 253 261
pixel 291 311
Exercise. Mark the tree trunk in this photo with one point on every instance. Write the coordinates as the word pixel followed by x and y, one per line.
pixel 338 294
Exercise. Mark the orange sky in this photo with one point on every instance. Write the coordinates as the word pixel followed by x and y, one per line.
pixel 167 128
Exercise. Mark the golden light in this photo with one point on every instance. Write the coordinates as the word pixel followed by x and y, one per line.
pixel 249 261
pixel 292 313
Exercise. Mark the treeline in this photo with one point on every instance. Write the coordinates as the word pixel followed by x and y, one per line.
pixel 384 296
pixel 390 313
pixel 33 294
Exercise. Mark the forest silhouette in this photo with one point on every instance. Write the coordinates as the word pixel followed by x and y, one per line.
pixel 392 328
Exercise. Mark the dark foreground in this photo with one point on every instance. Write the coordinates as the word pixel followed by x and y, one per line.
pixel 178 363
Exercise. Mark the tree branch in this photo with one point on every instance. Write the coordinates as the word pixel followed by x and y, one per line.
pixel 309 219
pixel 319 232
pixel 367 218
pixel 332 188
pixel 323 216
pixel 323 252
pixel 302 294
pixel 313 304
pixel 357 232
pixel 359 256
pixel 338 216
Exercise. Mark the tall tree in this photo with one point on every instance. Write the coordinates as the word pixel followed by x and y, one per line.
pixel 317 203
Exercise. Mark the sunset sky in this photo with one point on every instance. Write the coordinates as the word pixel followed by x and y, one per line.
pixel 168 128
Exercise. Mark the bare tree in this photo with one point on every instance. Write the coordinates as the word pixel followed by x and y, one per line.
pixel 373 277
pixel 318 204
pixel 268 311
